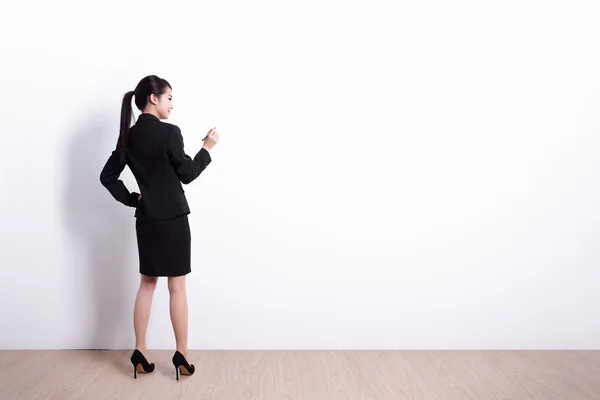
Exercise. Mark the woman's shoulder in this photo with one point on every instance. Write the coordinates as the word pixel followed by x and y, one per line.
pixel 171 128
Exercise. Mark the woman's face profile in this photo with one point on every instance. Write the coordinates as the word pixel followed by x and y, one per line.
pixel 164 105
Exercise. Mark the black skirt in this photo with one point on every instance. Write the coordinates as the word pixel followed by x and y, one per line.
pixel 164 246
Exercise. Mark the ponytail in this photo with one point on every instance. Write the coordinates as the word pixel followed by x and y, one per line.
pixel 126 116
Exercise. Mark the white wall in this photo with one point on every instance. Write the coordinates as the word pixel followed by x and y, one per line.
pixel 389 175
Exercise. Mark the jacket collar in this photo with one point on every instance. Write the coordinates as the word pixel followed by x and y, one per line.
pixel 147 117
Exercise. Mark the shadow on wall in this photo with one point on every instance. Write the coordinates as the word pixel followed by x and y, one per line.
pixel 102 238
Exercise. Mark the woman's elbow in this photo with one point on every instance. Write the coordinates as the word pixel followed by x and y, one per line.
pixel 105 180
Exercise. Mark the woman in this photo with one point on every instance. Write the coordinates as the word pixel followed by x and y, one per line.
pixel 153 151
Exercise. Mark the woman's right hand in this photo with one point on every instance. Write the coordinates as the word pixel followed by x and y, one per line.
pixel 211 140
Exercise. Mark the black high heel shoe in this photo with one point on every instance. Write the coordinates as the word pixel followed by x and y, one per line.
pixel 138 360
pixel 181 365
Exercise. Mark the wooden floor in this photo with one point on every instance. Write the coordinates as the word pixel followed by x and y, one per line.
pixel 307 375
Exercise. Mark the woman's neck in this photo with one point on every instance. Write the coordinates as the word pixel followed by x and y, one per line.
pixel 152 112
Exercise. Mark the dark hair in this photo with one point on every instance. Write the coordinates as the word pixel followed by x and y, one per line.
pixel 151 84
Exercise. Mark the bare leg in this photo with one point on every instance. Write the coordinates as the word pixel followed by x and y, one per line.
pixel 179 312
pixel 141 311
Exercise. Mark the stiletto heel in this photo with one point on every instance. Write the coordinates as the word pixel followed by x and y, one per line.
pixel 138 359
pixel 182 366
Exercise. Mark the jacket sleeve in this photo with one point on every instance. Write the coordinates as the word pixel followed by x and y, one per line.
pixel 109 177
pixel 187 168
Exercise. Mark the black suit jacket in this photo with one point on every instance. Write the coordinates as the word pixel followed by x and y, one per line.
pixel 156 157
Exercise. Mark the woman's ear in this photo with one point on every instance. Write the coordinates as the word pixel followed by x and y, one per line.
pixel 153 99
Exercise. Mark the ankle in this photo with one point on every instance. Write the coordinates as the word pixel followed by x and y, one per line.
pixel 183 351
